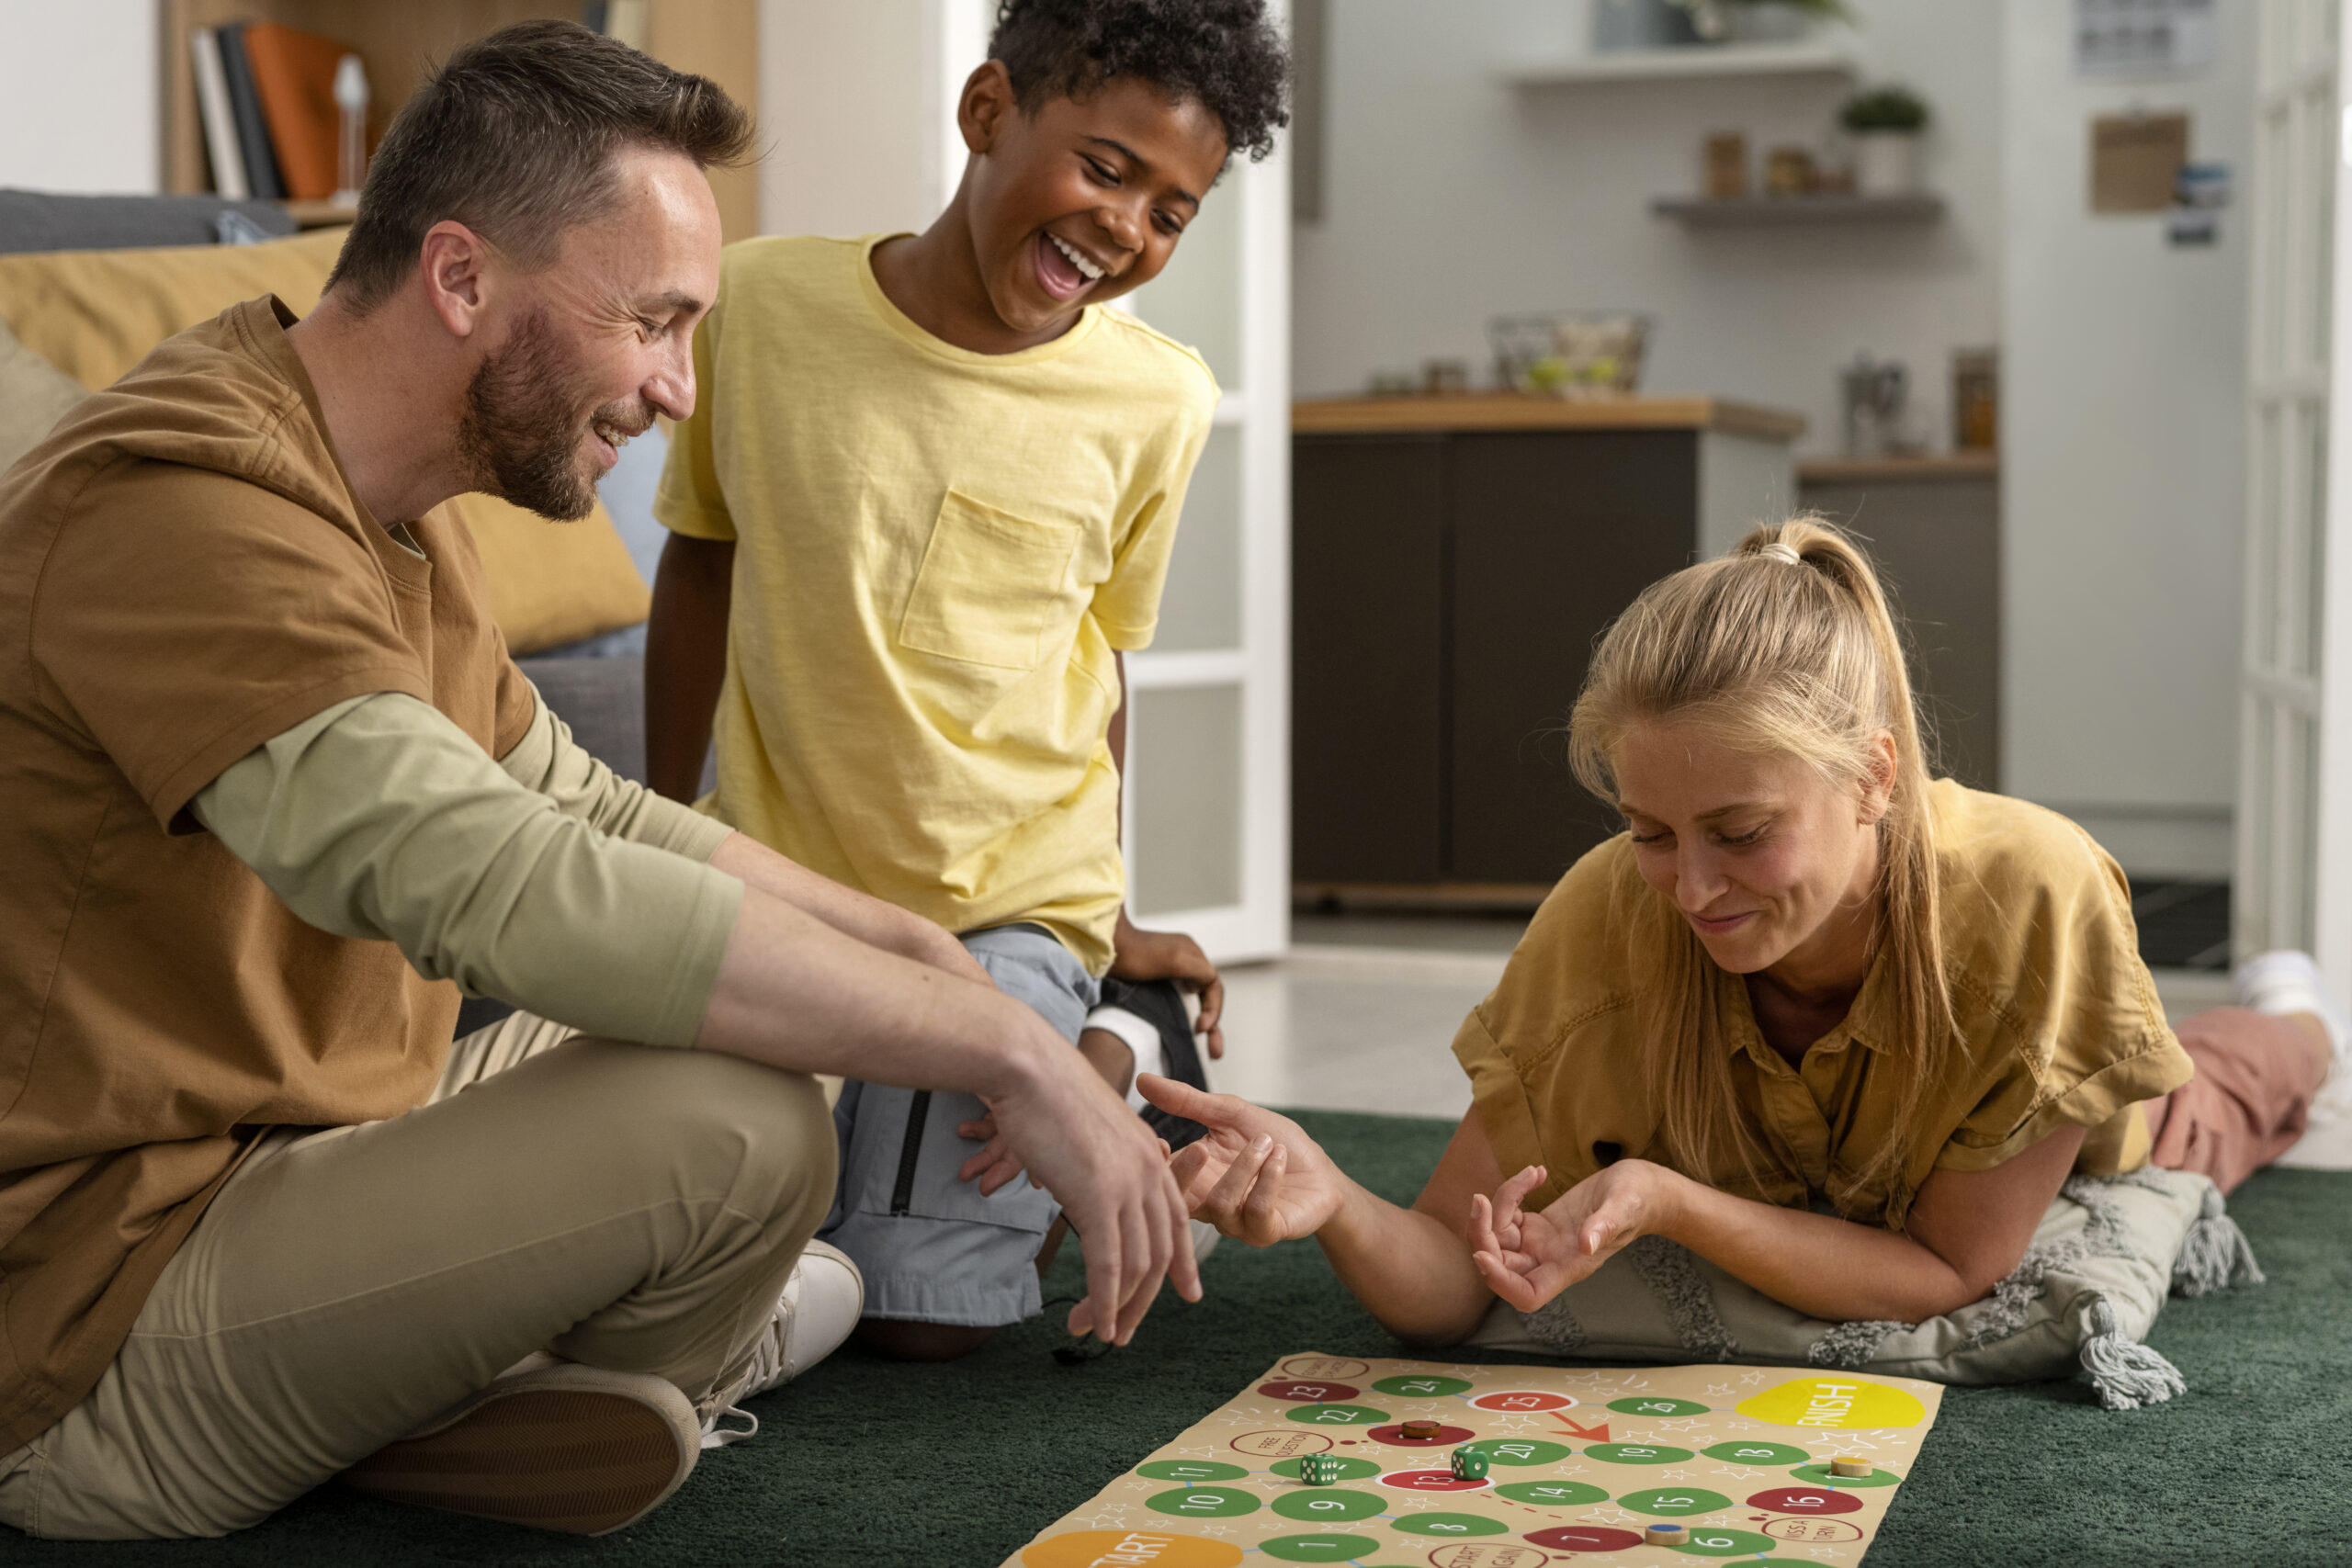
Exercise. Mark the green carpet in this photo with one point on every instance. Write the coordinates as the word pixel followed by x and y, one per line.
pixel 873 1464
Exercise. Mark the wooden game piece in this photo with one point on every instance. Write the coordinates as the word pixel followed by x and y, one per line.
pixel 1849 1465
pixel 1668 1535
pixel 1319 1470
pixel 1469 1464
pixel 1422 1431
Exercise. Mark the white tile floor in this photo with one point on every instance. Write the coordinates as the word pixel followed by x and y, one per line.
pixel 1360 1016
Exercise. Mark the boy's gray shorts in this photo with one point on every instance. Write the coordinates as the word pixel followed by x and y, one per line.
pixel 930 1247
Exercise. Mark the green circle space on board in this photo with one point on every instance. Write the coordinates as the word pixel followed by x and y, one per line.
pixel 1657 1408
pixel 1818 1474
pixel 1328 1504
pixel 1552 1494
pixel 1195 1471
pixel 1520 1450
pixel 1422 1387
pixel 1452 1527
pixel 1713 1540
pixel 1636 1453
pixel 1754 1453
pixel 1677 1502
pixel 1337 1415
pixel 1342 1468
pixel 1317 1548
pixel 1204 1502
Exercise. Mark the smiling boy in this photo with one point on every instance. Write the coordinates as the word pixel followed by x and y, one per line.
pixel 927 507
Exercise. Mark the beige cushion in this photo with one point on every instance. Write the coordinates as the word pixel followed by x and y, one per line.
pixel 2106 1254
pixel 34 395
pixel 95 314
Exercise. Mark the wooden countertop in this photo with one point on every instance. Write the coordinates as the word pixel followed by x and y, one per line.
pixel 1516 411
pixel 1899 470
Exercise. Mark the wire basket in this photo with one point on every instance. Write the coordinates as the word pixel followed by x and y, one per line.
pixel 1578 353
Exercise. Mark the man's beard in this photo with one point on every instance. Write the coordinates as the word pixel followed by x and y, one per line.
pixel 521 427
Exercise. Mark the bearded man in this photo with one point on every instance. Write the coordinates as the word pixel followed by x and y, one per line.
pixel 272 793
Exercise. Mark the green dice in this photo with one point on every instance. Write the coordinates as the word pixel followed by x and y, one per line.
pixel 1319 1470
pixel 1469 1464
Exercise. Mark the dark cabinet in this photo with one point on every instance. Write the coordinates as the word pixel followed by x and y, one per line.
pixel 1447 588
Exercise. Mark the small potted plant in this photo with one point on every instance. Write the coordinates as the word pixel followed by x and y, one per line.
pixel 1885 124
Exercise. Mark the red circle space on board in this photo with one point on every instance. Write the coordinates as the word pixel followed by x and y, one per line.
pixel 1395 1433
pixel 1309 1393
pixel 1429 1481
pixel 1584 1538
pixel 1806 1500
pixel 1521 1400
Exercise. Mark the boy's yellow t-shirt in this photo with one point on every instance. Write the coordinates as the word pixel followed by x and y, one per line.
pixel 937 553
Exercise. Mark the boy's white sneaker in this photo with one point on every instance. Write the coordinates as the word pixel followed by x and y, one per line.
pixel 2286 981
pixel 822 1302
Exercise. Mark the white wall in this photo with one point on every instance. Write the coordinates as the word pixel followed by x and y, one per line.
pixel 2124 469
pixel 1452 195
pixel 857 110
pixel 79 93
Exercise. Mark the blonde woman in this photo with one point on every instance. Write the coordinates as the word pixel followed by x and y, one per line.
pixel 1840 1029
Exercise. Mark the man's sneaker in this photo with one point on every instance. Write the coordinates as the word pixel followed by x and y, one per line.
pixel 558 1446
pixel 822 1302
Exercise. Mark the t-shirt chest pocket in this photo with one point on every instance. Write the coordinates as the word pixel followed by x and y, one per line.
pixel 991 587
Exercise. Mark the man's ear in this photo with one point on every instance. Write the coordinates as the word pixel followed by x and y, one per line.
pixel 986 100
pixel 454 263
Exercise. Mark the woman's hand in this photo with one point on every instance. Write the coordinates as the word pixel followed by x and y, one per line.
pixel 1527 1259
pixel 1256 1176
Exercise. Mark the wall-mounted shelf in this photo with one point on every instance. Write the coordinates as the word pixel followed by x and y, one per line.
pixel 1833 57
pixel 1776 211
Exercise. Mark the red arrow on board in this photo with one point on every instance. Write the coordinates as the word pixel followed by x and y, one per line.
pixel 1590 1434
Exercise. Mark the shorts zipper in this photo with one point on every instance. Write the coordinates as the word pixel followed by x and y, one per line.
pixel 908 1151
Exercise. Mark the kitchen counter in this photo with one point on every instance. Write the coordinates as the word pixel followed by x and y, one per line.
pixel 1517 410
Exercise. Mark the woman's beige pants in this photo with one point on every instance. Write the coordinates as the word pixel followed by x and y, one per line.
pixel 627 1207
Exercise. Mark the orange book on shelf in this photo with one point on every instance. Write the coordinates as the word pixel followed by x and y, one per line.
pixel 294 77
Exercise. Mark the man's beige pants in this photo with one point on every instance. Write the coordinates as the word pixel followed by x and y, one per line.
pixel 627 1207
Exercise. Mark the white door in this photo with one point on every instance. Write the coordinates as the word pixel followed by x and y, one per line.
pixel 2293 882
pixel 1206 802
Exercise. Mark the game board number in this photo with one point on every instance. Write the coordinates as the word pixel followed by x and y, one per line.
pixel 1422 1387
pixel 1657 1408
pixel 1323 1508
pixel 1523 1400
pixel 1204 1502
pixel 1316 1548
pixel 1191 1469
pixel 1308 1393
pixel 1552 1494
pixel 1675 1502
pixel 1520 1451
pixel 1336 1414
pixel 1636 1453
pixel 1802 1500
pixel 1453 1525
pixel 1759 1453
pixel 1711 1542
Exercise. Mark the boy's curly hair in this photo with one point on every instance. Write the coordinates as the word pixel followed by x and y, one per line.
pixel 1223 52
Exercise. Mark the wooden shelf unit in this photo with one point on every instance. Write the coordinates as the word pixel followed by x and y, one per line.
pixel 718 39
pixel 1836 56
pixel 1780 211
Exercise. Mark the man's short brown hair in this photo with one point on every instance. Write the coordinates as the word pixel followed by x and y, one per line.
pixel 514 137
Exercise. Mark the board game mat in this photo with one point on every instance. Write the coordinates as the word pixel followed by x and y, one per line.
pixel 1580 1460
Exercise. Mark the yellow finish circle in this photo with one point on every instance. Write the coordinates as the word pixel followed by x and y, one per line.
pixel 1129 1548
pixel 1844 1403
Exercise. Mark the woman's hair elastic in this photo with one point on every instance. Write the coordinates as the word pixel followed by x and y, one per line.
pixel 1780 551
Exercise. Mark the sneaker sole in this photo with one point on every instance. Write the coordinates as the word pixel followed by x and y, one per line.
pixel 579 1462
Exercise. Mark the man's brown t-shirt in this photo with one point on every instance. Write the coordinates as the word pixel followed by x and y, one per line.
pixel 185 573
